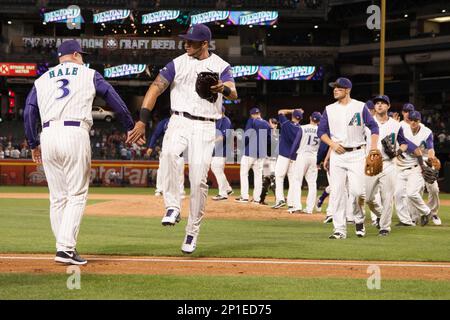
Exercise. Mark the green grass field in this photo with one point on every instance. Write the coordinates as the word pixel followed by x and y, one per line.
pixel 25 228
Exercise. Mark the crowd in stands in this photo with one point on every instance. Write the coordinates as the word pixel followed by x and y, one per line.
pixel 439 122
pixel 12 149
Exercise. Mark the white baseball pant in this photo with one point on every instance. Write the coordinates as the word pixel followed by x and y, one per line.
pixel 256 165
pixel 349 165
pixel 197 137
pixel 384 185
pixel 160 178
pixel 433 197
pixel 305 167
pixel 284 166
pixel 66 157
pixel 218 168
pixel 408 198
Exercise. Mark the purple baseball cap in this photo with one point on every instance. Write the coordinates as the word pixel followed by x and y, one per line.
pixel 341 83
pixel 198 32
pixel 69 47
pixel 254 111
pixel 297 114
pixel 369 104
pixel 408 107
pixel 383 98
pixel 316 116
pixel 415 115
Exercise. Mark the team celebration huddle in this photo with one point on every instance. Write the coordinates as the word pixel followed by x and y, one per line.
pixel 370 156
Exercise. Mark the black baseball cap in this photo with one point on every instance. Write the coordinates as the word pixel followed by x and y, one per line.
pixel 197 32
pixel 383 98
pixel 69 47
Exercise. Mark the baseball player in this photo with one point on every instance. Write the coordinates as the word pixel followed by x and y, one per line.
pixel 408 198
pixel 391 133
pixel 159 132
pixel 270 162
pixel 433 201
pixel 257 137
pixel 284 164
pixel 304 150
pixel 224 135
pixel 62 98
pixel 191 127
pixel 406 109
pixel 342 128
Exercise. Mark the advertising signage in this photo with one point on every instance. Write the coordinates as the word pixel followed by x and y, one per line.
pixel 72 14
pixel 278 72
pixel 124 70
pixel 18 69
pixel 159 16
pixel 111 15
pixel 236 17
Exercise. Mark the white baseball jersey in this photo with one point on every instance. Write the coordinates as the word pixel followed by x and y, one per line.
pixel 309 144
pixel 389 128
pixel 346 123
pixel 423 139
pixel 73 100
pixel 182 73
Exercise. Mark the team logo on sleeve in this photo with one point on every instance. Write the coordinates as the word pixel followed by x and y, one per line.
pixel 356 120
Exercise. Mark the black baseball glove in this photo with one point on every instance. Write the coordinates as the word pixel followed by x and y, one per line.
pixel 203 85
pixel 430 175
pixel 388 147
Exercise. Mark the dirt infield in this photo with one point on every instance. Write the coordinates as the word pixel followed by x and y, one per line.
pixel 43 264
pixel 151 206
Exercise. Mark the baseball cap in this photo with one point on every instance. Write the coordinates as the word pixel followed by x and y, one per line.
pixel 316 116
pixel 408 107
pixel 198 32
pixel 274 120
pixel 341 83
pixel 415 115
pixel 369 104
pixel 254 111
pixel 69 47
pixel 297 114
pixel 383 98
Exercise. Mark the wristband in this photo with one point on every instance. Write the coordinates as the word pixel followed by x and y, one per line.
pixel 420 159
pixel 226 91
pixel 144 115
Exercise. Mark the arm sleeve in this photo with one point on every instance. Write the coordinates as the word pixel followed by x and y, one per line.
pixel 282 118
pixel 296 144
pixel 324 128
pixel 156 134
pixel 322 153
pixel 107 92
pixel 31 116
pixel 168 72
pixel 370 122
pixel 402 140
pixel 429 142
pixel 227 75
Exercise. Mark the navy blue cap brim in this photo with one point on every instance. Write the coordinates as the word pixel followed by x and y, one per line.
pixel 379 99
pixel 335 84
pixel 190 37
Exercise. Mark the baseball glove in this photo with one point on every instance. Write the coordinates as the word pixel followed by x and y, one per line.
pixel 203 85
pixel 435 163
pixel 388 147
pixel 430 175
pixel 374 163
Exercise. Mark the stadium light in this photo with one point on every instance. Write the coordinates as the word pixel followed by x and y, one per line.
pixel 9 22
pixel 406 15
pixel 444 11
pixel 440 19
pixel 274 26
pixel 316 27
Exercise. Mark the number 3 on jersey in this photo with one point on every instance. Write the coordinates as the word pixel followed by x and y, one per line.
pixel 64 88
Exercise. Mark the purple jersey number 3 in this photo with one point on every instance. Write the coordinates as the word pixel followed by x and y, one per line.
pixel 66 91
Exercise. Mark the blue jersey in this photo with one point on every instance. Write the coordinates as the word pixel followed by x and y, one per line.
pixel 223 128
pixel 159 132
pixel 288 133
pixel 257 138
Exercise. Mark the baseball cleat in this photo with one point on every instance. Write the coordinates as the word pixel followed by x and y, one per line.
pixel 171 217
pixel 230 192
pixel 360 230
pixel 294 211
pixel 328 219
pixel 263 203
pixel 308 212
pixel 350 221
pixel 425 219
pixel 189 244
pixel 69 257
pixel 158 193
pixel 219 197
pixel 436 220
pixel 374 223
pixel 319 204
pixel 242 200
pixel 279 204
pixel 383 233
pixel 337 235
